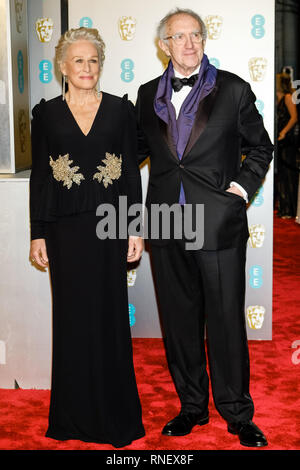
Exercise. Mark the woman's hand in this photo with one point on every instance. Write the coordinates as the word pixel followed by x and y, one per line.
pixel 38 252
pixel 281 135
pixel 135 248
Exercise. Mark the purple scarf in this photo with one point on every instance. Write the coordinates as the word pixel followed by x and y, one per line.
pixel 182 127
pixel 164 109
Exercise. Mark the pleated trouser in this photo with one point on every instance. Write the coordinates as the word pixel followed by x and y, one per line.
pixel 202 293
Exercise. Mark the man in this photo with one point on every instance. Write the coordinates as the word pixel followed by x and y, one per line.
pixel 195 134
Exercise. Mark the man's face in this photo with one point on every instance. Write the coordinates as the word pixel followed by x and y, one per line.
pixel 186 57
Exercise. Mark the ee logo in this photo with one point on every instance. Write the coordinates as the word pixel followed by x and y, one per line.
pixel 260 107
pixel 256 279
pixel 85 22
pixel 20 62
pixel 214 61
pixel 132 318
pixel 45 67
pixel 258 30
pixel 258 199
pixel 127 74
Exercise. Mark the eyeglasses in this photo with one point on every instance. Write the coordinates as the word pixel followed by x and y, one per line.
pixel 180 38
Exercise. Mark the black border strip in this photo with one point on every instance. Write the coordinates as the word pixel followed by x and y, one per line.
pixel 64 16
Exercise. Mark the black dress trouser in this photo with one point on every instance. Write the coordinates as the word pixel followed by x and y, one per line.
pixel 198 290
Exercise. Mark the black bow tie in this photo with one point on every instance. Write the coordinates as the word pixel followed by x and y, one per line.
pixel 178 83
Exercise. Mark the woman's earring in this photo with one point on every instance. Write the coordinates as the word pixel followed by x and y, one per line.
pixel 98 90
pixel 64 88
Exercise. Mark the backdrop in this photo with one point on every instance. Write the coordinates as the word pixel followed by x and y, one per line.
pixel 241 40
pixel 15 149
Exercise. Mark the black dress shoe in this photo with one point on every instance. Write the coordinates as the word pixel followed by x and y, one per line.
pixel 249 434
pixel 184 423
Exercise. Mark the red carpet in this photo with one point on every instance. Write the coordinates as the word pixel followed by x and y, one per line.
pixel 275 374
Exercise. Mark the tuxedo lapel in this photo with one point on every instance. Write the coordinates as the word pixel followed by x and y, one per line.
pixel 201 118
pixel 166 133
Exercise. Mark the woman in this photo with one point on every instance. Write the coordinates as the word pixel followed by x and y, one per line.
pixel 287 173
pixel 84 154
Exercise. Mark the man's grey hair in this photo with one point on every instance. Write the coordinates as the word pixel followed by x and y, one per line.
pixel 161 29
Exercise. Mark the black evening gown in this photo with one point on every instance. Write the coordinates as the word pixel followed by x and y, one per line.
pixel 94 395
pixel 286 179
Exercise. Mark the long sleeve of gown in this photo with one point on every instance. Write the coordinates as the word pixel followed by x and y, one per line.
pixel 40 170
pixel 130 151
pixel 143 147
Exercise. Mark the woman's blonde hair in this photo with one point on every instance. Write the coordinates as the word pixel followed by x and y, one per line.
pixel 83 34
pixel 283 83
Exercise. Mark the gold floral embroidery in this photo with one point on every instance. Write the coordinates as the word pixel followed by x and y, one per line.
pixel 62 171
pixel 112 170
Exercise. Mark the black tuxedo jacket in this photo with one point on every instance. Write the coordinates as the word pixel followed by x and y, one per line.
pixel 228 143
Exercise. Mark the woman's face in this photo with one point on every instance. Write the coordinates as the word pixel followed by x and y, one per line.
pixel 81 65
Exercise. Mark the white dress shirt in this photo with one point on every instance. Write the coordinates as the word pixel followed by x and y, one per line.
pixel 178 98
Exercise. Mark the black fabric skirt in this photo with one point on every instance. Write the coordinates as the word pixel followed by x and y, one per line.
pixel 94 395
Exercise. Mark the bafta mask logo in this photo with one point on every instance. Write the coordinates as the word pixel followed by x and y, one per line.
pixel 257 235
pixel 127 26
pixel 22 129
pixel 214 26
pixel 255 316
pixel 44 29
pixel 257 68
pixel 19 14
pixel 131 277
